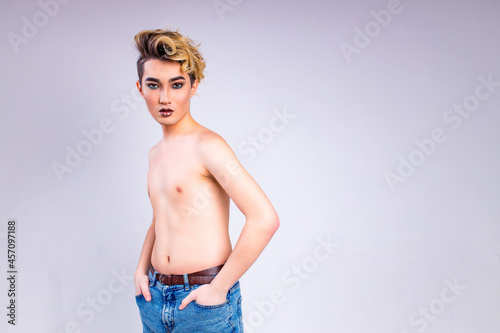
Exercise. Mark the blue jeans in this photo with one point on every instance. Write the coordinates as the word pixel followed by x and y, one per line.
pixel 162 313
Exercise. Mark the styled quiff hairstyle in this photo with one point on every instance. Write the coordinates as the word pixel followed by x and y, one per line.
pixel 169 45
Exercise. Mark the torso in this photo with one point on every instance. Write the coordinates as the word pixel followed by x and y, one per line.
pixel 190 209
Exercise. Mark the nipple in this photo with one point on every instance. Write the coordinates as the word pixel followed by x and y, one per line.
pixel 179 189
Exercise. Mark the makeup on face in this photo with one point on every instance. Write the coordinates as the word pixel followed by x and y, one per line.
pixel 166 90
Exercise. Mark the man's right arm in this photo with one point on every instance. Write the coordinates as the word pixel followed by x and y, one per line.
pixel 141 278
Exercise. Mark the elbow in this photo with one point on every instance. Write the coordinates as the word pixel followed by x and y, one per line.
pixel 267 223
pixel 276 222
pixel 273 223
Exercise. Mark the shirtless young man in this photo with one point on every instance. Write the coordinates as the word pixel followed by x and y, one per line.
pixel 193 174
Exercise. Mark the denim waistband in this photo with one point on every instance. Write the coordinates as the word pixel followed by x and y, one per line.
pixel 155 283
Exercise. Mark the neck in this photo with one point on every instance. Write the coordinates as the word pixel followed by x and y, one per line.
pixel 185 125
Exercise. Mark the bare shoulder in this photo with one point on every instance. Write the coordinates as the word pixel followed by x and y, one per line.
pixel 152 152
pixel 211 144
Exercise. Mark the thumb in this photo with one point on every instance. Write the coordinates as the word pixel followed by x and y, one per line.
pixel 145 292
pixel 189 298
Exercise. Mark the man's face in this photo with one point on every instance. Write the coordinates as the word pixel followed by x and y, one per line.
pixel 167 90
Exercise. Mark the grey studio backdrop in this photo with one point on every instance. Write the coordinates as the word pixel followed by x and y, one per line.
pixel 371 125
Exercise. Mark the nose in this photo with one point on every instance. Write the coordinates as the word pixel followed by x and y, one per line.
pixel 164 97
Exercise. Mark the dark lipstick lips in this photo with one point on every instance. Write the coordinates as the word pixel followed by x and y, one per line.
pixel 166 112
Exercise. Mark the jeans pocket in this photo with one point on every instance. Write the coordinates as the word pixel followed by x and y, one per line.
pixel 139 300
pixel 204 318
pixel 218 306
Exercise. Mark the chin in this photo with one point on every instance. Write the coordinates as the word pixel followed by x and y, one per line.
pixel 167 121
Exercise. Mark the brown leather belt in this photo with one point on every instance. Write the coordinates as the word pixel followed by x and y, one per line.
pixel 201 277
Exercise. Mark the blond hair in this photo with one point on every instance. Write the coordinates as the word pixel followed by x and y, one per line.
pixel 169 45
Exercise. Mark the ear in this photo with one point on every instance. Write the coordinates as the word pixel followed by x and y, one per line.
pixel 194 88
pixel 138 84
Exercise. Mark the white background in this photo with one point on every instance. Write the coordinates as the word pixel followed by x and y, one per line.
pixel 356 118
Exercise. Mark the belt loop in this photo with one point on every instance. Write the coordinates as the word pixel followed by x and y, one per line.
pixel 153 274
pixel 186 282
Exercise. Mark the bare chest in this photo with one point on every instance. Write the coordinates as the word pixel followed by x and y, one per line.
pixel 173 177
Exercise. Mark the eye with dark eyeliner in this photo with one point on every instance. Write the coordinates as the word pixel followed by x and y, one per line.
pixel 152 85
pixel 177 85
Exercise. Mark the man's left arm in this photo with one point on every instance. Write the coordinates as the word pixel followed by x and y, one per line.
pixel 260 226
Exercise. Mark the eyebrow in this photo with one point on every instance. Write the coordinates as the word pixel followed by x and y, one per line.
pixel 180 77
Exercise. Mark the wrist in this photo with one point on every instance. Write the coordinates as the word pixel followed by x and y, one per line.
pixel 140 272
pixel 219 285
